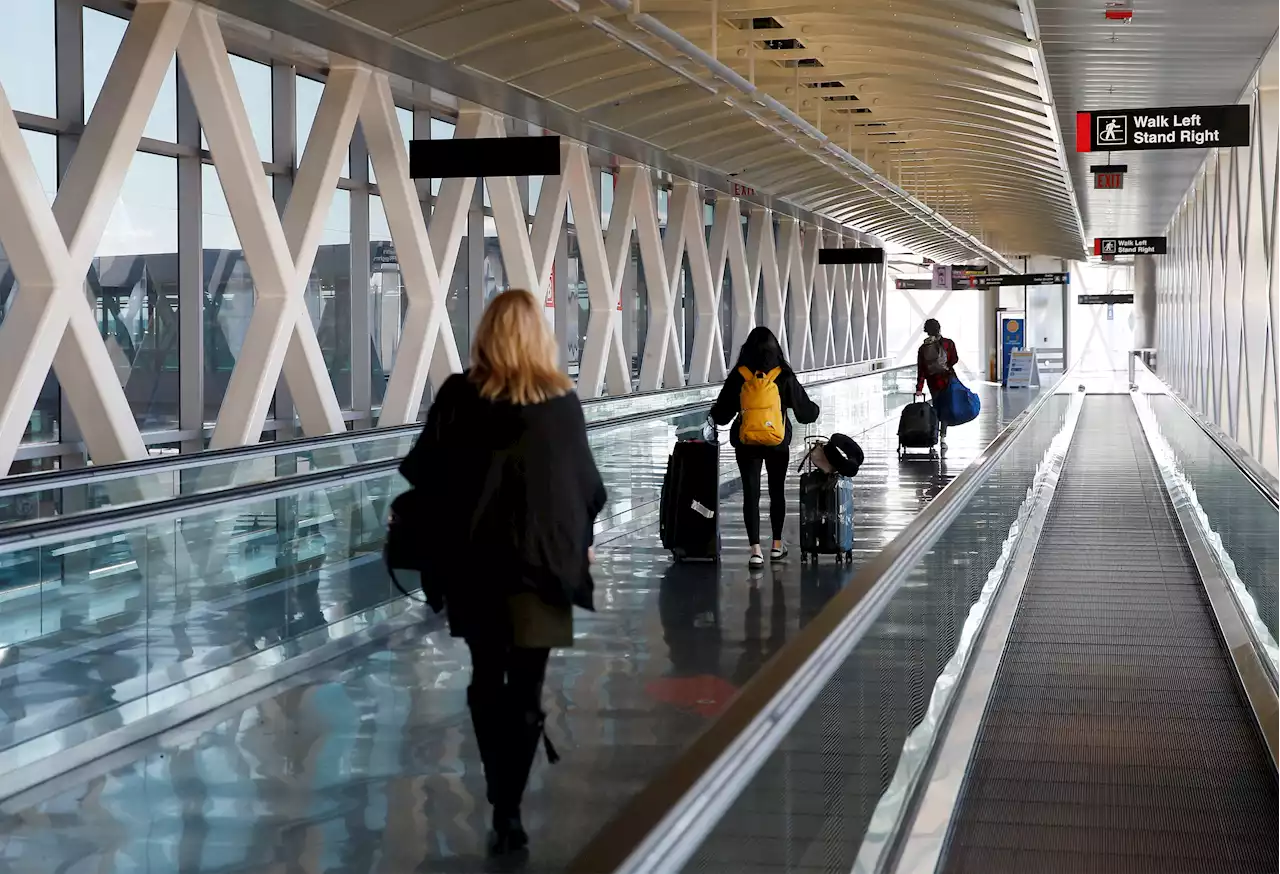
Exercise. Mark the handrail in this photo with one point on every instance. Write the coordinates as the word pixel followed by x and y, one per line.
pixel 1261 478
pixel 59 479
pixel 42 532
pixel 26 534
pixel 662 826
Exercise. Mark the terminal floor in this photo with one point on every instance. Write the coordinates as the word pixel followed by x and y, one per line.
pixel 367 763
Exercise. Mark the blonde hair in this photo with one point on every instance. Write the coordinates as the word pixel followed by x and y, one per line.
pixel 513 356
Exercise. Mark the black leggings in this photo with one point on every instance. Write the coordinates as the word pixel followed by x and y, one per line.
pixel 510 673
pixel 505 698
pixel 775 463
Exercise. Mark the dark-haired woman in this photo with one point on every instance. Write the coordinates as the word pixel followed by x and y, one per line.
pixel 761 362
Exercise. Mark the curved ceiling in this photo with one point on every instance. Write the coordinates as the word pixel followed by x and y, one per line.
pixel 843 107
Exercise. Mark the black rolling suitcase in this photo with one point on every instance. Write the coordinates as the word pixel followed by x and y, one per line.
pixel 689 513
pixel 918 427
pixel 826 516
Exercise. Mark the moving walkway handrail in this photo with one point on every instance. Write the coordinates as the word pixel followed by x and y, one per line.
pixel 1261 478
pixel 60 479
pixel 38 532
pixel 663 825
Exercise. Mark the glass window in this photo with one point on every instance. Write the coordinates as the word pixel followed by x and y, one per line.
pixel 405 119
pixel 495 271
pixel 43 426
pixel 254 82
pixel 27 57
pixel 535 192
pixel 442 130
pixel 228 292
pixel 664 197
pixel 103 34
pixel 328 295
pixel 307 96
pixel 607 181
pixel 133 282
pixel 458 304
pixel 387 301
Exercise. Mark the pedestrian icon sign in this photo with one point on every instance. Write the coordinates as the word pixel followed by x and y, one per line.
pixel 1113 130
pixel 1108 247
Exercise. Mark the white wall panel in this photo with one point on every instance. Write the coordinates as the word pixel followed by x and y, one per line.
pixel 1217 289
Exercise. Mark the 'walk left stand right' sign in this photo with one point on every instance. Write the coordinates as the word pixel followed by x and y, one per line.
pixel 1178 127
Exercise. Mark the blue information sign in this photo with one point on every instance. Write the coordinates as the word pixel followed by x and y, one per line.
pixel 1012 335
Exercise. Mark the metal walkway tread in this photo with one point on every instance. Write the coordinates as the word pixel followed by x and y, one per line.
pixel 1116 739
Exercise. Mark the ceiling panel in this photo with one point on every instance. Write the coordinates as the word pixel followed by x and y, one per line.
pixel 1172 53
pixel 940 97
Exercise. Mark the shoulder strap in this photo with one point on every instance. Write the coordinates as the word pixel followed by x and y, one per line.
pixel 747 375
pixel 772 375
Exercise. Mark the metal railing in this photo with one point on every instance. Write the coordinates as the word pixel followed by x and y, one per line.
pixel 107 519
pixel 612 410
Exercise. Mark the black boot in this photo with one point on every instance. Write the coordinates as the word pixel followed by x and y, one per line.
pixel 487 717
pixel 527 731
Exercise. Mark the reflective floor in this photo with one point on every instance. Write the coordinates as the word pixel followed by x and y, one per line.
pixel 367 764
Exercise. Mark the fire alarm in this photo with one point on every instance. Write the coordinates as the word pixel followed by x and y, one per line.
pixel 1118 11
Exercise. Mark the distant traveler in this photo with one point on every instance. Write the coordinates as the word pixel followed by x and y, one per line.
pixel 935 364
pixel 759 391
pixel 509 494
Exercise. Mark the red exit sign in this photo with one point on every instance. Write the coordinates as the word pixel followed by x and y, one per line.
pixel 740 190
pixel 1108 180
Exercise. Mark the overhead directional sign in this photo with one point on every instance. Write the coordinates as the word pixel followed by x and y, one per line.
pixel 1020 279
pixel 1108 299
pixel 1178 127
pixel 866 255
pixel 918 283
pixel 1112 246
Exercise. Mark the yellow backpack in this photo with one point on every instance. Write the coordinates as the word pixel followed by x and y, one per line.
pixel 763 422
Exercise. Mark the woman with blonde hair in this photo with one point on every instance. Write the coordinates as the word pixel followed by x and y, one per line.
pixel 508 493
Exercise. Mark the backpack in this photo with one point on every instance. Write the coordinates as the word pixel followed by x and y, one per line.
pixel 762 421
pixel 935 357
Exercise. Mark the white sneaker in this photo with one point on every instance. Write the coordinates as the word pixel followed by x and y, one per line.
pixel 778 553
pixel 943 445
pixel 756 561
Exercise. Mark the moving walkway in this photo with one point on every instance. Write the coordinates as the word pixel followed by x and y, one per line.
pixel 118 620
pixel 1066 663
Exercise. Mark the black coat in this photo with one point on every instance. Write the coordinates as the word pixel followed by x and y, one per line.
pixel 791 392
pixel 508 495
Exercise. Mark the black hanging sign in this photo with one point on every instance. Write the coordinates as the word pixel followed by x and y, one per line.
pixel 1177 127
pixel 484 156
pixel 918 283
pixel 1108 299
pixel 1112 246
pixel 1020 279
pixel 865 255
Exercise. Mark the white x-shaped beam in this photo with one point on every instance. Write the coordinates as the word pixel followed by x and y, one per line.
pixel 50 322
pixel 279 252
pixel 728 250
pixel 662 364
pixel 427 347
pixel 706 360
pixel 764 269
pixel 604 260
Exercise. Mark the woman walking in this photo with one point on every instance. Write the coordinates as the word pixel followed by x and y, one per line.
pixel 509 493
pixel 756 397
